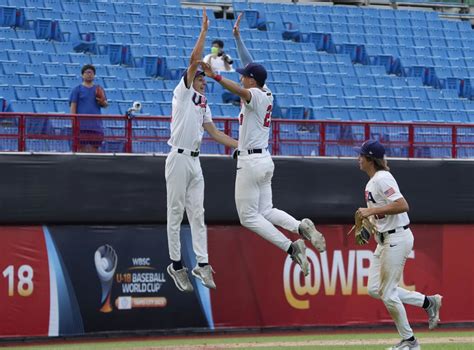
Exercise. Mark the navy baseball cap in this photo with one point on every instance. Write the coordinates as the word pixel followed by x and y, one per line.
pixel 198 73
pixel 371 148
pixel 256 71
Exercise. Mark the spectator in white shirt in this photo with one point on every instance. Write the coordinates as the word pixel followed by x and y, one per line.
pixel 218 59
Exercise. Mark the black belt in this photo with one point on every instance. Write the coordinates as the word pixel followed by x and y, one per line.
pixel 191 153
pixel 394 230
pixel 252 151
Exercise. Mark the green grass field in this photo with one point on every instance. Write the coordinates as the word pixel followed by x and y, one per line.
pixel 458 340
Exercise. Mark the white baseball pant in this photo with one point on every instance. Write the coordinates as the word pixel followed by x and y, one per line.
pixel 185 191
pixel 385 273
pixel 253 199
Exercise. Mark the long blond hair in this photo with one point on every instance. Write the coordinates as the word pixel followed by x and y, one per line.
pixel 379 163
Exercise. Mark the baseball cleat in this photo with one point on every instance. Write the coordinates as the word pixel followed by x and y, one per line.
pixel 309 232
pixel 299 255
pixel 180 278
pixel 406 345
pixel 433 310
pixel 204 274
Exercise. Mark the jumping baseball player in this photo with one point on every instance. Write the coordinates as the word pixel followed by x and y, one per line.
pixel 184 180
pixel 387 209
pixel 253 192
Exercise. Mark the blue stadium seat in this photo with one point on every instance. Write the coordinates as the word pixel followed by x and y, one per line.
pixel 22 106
pixel 117 71
pixel 392 115
pixel 75 69
pixel 47 29
pixel 63 47
pixel 114 94
pixel 29 79
pixel 135 84
pixel 132 95
pixel 12 68
pixel 70 80
pixel 47 92
pixel 7 16
pixel 8 33
pixel 153 95
pixel 7 92
pixel 35 68
pixel 55 69
pixel 23 45
pixel 61 106
pixel 44 106
pixel 112 109
pixel 25 92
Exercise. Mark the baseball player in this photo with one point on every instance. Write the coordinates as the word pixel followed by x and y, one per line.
pixel 253 192
pixel 387 209
pixel 191 115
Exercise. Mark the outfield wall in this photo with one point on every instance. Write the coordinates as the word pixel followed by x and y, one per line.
pixel 131 189
pixel 52 283
pixel 51 280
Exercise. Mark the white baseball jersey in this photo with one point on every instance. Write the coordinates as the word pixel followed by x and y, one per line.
pixel 190 110
pixel 382 189
pixel 388 262
pixel 255 120
pixel 253 182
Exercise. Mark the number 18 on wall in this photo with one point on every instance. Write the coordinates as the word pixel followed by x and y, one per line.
pixel 23 278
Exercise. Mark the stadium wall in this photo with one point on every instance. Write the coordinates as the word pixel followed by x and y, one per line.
pixel 131 189
pixel 68 280
pixel 105 270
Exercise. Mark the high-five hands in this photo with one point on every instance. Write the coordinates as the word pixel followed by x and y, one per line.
pixel 206 68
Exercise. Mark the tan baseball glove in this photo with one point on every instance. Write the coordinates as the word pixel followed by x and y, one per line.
pixel 363 229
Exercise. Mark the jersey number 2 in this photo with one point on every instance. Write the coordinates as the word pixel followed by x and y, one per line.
pixel 268 117
pixel 266 121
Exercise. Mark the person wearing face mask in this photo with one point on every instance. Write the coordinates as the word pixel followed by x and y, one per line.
pixel 218 59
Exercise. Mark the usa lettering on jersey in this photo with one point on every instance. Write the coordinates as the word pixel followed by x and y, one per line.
pixel 381 190
pixel 369 197
pixel 199 100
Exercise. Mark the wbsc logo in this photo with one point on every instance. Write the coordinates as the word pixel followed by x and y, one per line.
pixel 328 277
pixel 105 259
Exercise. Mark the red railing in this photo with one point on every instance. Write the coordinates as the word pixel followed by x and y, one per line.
pixel 63 132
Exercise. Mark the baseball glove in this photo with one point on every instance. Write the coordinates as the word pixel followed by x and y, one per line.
pixel 363 229
pixel 100 96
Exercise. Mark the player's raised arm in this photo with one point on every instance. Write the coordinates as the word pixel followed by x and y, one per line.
pixel 244 54
pixel 196 55
pixel 227 84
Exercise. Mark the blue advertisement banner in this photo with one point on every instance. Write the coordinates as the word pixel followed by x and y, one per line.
pixel 113 278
